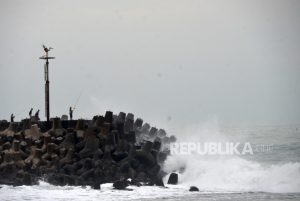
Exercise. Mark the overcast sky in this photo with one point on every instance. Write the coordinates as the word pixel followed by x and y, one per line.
pixel 169 62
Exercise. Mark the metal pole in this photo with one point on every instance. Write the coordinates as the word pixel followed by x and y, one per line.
pixel 47 83
pixel 47 94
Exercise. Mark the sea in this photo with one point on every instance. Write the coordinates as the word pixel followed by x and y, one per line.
pixel 270 172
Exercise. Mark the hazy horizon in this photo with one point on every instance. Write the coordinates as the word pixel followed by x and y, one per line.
pixel 169 62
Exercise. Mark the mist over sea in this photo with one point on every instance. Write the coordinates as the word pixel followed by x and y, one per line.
pixel 268 174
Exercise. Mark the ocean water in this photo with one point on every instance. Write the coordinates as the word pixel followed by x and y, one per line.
pixel 272 172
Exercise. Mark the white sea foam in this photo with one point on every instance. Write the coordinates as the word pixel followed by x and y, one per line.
pixel 45 191
pixel 230 173
pixel 235 174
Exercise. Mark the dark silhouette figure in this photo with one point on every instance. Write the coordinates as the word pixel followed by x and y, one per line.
pixel 12 118
pixel 71 113
pixel 30 112
pixel 37 118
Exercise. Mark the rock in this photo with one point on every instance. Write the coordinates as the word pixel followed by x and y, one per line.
pixel 35 158
pixel 166 140
pixel 47 140
pixel 105 128
pixel 16 154
pixel 130 116
pixel 120 153
pixel 9 170
pixel 50 155
pixel 120 128
pixel 38 143
pixel 87 165
pixel 10 131
pixel 161 133
pixel 68 158
pixel 98 121
pixel 87 174
pixel 138 123
pixel 121 117
pixel 128 126
pixel 134 182
pixel 154 170
pixel 26 124
pixel 193 188
pixel 91 146
pixel 30 131
pixel 161 157
pixel 159 182
pixel 27 180
pixel 145 128
pixel 70 180
pixel 80 128
pixel 96 186
pixel 6 146
pixel 110 140
pixel 147 146
pixel 24 147
pixel 120 184
pixel 57 130
pixel 98 155
pixel 173 179
pixel 156 144
pixel 108 117
pixel 152 132
pixel 144 155
pixel 69 141
pixel 130 137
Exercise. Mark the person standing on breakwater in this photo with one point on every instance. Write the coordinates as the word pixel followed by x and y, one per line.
pixel 30 113
pixel 12 118
pixel 71 113
pixel 37 118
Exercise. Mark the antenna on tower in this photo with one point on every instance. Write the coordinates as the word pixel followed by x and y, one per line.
pixel 47 82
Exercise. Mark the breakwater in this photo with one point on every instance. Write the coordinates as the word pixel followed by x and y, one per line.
pixel 108 148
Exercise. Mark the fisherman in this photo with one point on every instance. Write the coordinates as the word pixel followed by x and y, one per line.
pixel 30 113
pixel 12 118
pixel 37 118
pixel 71 113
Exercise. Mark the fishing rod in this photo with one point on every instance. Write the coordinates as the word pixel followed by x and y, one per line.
pixel 77 100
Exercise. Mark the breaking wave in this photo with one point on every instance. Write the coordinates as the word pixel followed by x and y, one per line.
pixel 230 173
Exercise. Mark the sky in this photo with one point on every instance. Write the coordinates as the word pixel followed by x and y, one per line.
pixel 169 62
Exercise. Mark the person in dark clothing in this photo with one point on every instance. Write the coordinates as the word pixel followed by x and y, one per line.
pixel 71 113
pixel 30 112
pixel 37 115
pixel 12 118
